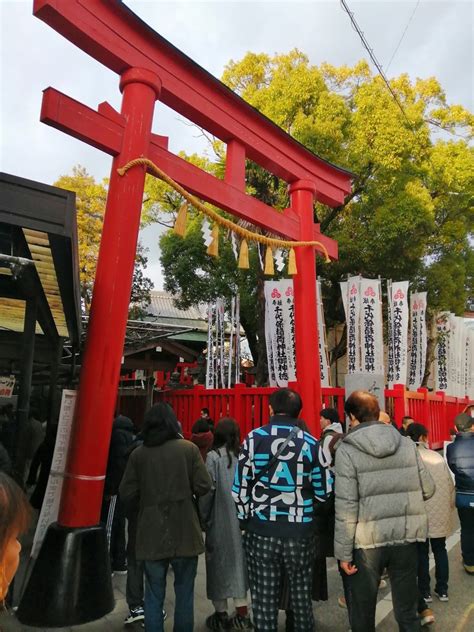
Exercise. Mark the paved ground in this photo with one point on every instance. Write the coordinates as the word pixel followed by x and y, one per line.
pixel 455 616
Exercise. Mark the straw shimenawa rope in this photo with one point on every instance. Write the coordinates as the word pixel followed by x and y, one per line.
pixel 244 233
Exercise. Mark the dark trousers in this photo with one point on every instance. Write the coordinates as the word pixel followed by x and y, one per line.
pixel 438 546
pixel 113 516
pixel 346 584
pixel 184 569
pixel 466 518
pixel 266 557
pixel 136 568
pixel 401 564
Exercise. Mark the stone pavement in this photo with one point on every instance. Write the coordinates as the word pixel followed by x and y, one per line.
pixel 455 616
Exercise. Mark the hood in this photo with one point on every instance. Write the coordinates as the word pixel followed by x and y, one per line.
pixel 334 427
pixel 202 439
pixel 374 438
pixel 123 423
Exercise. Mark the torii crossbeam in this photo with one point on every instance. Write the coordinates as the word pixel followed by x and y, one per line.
pixel 150 68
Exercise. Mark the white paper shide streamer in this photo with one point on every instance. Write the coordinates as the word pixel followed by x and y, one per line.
pixel 280 331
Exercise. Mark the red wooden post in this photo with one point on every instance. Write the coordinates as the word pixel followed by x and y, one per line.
pixel 82 491
pixel 238 392
pixel 302 195
pixel 399 403
pixel 426 408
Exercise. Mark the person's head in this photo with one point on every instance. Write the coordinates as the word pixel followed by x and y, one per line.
pixel 407 420
pixel 200 427
pixel 204 413
pixel 418 433
pixel 361 406
pixel 227 434
pixel 385 418
pixel 285 401
pixel 327 417
pixel 15 517
pixel 464 422
pixel 160 425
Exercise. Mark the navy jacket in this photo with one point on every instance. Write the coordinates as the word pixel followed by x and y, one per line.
pixel 282 502
pixel 120 443
pixel 460 456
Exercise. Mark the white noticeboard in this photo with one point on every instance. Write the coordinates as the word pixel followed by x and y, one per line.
pixel 50 507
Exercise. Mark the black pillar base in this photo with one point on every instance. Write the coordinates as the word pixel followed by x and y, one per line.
pixel 71 581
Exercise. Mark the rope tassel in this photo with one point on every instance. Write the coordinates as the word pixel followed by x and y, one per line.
pixel 269 267
pixel 292 269
pixel 213 248
pixel 244 255
pixel 181 219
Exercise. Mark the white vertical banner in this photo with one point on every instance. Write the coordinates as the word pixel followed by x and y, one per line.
pixel 211 344
pixel 343 285
pixel 418 339
pixel 237 339
pixel 442 353
pixel 231 343
pixel 50 507
pixel 220 324
pixel 279 330
pixel 268 340
pixel 452 358
pixel 353 304
pixel 398 327
pixel 469 355
pixel 323 354
pixel 371 327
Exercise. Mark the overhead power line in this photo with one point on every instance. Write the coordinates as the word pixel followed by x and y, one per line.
pixel 403 34
pixel 377 64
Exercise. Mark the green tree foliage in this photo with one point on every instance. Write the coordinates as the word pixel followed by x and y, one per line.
pixel 409 215
pixel 91 197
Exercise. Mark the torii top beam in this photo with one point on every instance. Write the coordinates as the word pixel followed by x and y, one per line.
pixel 123 41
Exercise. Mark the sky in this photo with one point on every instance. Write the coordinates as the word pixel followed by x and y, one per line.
pixel 437 41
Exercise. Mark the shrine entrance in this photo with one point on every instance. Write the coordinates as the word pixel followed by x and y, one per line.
pixel 150 69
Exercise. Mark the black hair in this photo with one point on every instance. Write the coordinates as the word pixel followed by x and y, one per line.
pixel 201 425
pixel 227 433
pixel 205 410
pixel 285 401
pixel 160 425
pixel 415 431
pixel 331 415
pixel 363 406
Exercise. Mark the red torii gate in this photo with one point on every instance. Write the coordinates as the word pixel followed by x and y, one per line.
pixel 151 68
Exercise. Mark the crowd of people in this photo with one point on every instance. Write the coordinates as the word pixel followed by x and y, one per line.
pixel 268 509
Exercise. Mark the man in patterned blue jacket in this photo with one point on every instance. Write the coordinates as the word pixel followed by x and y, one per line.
pixel 277 510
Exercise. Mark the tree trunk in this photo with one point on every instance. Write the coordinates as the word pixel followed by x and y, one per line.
pixel 262 364
pixel 430 349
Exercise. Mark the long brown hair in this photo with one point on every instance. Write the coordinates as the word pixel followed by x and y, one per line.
pixel 227 433
pixel 15 511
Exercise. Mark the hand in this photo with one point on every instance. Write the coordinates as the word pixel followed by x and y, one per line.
pixel 348 568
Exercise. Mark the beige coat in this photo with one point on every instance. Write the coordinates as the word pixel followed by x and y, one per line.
pixel 441 506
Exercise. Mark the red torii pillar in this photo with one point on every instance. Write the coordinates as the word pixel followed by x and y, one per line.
pixel 103 30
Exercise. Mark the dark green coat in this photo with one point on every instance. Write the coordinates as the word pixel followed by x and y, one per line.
pixel 164 479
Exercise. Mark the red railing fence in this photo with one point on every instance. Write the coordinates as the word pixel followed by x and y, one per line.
pixel 249 406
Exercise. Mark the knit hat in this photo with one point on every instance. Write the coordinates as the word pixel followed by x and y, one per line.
pixel 463 422
pixel 331 415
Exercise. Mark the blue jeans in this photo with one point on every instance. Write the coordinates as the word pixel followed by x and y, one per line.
pixel 438 546
pixel 466 518
pixel 184 569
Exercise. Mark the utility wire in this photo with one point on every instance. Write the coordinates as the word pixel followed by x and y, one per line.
pixel 403 34
pixel 378 65
pixel 380 70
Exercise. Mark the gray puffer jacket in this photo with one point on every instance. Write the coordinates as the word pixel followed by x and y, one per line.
pixel 380 486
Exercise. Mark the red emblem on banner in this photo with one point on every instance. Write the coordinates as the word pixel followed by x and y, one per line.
pixel 276 294
pixel 415 306
pixel 369 292
pixel 289 291
pixel 353 289
pixel 399 295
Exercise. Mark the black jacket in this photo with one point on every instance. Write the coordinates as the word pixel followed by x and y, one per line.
pixel 460 457
pixel 120 442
